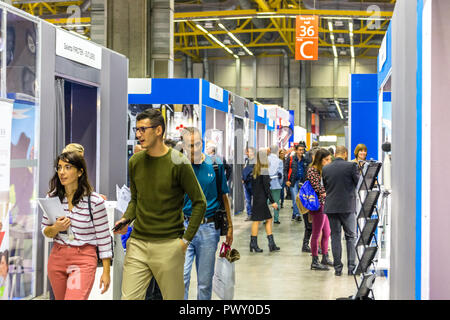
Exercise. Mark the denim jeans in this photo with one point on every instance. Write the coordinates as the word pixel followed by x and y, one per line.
pixel 203 248
pixel 294 191
pixel 248 200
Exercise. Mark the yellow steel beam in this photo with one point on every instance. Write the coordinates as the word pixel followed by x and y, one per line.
pixel 230 13
pixel 275 44
pixel 265 7
pixel 85 20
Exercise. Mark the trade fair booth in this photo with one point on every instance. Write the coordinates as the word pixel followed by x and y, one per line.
pixel 57 88
pixel 224 118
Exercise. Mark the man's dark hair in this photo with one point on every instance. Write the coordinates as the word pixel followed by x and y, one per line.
pixel 170 143
pixel 155 116
pixel 298 146
pixel 302 144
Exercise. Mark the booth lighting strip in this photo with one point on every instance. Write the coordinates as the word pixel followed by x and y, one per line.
pixel 216 40
pixel 232 36
pixel 330 26
pixel 339 108
pixel 352 48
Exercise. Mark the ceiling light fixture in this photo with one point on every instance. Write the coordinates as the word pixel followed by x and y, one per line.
pixel 339 108
pixel 232 36
pixel 215 39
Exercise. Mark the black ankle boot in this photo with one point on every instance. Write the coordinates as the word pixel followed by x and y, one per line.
pixel 254 244
pixel 315 265
pixel 272 245
pixel 306 247
pixel 326 261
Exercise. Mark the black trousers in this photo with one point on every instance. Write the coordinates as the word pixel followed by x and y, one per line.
pixel 346 221
pixel 308 230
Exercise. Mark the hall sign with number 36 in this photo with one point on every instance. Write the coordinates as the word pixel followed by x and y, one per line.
pixel 307 38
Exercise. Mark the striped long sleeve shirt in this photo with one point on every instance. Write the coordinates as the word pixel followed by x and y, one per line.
pixel 85 230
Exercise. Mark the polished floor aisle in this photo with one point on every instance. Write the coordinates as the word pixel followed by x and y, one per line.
pixel 285 275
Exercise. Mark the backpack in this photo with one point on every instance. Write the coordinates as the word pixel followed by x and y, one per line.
pixel 308 197
pixel 290 168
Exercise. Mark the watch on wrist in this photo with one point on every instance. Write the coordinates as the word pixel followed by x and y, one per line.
pixel 186 242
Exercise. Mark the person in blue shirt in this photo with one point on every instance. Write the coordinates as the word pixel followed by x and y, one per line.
pixel 203 246
pixel 276 179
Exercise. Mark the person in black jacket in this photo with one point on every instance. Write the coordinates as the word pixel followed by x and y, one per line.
pixel 247 180
pixel 295 172
pixel 340 179
pixel 260 210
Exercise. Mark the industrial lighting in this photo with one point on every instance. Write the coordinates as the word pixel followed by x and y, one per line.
pixel 335 51
pixel 339 108
pixel 352 51
pixel 232 36
pixel 330 26
pixel 215 39
pixel 352 48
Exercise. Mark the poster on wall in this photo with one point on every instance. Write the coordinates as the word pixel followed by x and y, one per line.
pixel 217 137
pixel 23 211
pixel 6 110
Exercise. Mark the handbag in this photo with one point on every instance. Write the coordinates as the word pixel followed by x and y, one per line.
pixel 300 206
pixel 308 197
pixel 220 217
pixel 99 261
pixel 224 277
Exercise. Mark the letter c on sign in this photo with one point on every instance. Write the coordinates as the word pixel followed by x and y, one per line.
pixel 302 47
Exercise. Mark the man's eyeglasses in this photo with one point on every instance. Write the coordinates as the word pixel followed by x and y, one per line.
pixel 142 129
pixel 196 145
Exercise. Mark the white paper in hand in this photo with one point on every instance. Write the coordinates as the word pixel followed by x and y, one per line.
pixel 123 198
pixel 52 207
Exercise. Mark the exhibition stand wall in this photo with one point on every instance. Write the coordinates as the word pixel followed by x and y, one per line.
pixel 63 89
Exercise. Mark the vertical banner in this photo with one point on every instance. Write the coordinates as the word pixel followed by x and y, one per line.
pixel 307 38
pixel 6 111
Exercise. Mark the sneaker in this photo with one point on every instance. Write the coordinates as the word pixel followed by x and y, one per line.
pixel 276 222
pixel 299 219
pixel 248 218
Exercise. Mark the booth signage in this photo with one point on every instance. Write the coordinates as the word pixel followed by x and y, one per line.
pixel 307 38
pixel 215 92
pixel 74 48
pixel 382 54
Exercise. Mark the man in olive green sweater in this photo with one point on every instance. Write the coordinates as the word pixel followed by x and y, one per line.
pixel 159 179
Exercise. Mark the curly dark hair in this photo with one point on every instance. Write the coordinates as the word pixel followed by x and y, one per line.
pixel 84 187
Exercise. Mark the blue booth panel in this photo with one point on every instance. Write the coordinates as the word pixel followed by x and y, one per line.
pixel 169 91
pixel 364 114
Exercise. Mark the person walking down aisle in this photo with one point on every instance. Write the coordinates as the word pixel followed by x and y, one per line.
pixel 276 179
pixel 247 181
pixel 261 193
pixel 319 219
pixel 282 156
pixel 76 236
pixel 294 171
pixel 340 179
pixel 159 179
pixel 204 245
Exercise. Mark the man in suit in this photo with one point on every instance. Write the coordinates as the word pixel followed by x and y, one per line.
pixel 340 179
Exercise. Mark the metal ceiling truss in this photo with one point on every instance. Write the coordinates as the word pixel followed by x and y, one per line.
pixel 282 22
pixel 67 14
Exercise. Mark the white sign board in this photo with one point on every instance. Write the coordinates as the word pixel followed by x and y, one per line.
pixel 215 92
pixel 6 110
pixel 261 111
pixel 75 48
pixel 140 86
pixel 382 54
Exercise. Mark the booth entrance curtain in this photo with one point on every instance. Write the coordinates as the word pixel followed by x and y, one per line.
pixel 59 137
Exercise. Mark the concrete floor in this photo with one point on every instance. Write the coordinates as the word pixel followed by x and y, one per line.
pixel 285 275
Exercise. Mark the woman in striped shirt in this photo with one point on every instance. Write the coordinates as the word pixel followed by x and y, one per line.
pixel 73 260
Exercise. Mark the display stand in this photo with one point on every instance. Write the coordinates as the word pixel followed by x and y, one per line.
pixel 368 217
